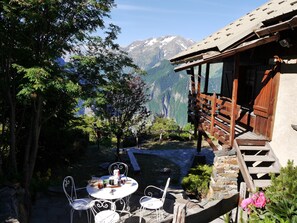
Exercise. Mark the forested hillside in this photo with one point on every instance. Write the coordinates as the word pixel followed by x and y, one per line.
pixel 168 89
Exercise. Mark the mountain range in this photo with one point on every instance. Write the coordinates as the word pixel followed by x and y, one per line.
pixel 168 89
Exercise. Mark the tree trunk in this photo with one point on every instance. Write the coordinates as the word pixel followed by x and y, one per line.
pixel 2 144
pixel 31 151
pixel 161 136
pixel 27 154
pixel 118 145
pixel 119 136
pixel 12 127
pixel 35 139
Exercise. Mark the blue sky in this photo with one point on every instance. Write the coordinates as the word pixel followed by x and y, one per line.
pixel 191 19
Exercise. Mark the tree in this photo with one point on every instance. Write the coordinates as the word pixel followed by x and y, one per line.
pixel 33 35
pixel 163 126
pixel 124 105
pixel 111 85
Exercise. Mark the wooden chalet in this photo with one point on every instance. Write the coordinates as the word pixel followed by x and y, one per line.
pixel 244 88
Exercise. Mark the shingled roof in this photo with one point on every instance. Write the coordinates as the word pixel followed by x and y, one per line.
pixel 236 33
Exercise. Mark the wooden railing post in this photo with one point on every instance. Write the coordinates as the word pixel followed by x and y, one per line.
pixel 213 111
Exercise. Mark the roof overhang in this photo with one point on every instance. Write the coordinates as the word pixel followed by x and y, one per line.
pixel 268 19
pixel 206 58
pixel 290 24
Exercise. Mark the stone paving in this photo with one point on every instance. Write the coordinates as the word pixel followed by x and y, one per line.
pixel 184 159
pixel 54 207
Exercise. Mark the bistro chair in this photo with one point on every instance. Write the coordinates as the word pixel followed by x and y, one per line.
pixel 106 211
pixel 153 200
pixel 77 204
pixel 123 167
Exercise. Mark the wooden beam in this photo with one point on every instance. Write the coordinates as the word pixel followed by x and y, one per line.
pixel 198 88
pixel 290 24
pixel 193 90
pixel 234 98
pixel 207 139
pixel 206 79
pixel 251 142
pixel 213 110
pixel 199 106
pixel 243 168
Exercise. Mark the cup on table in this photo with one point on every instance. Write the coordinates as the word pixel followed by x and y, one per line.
pixel 123 180
pixel 100 184
pixel 115 181
pixel 105 182
pixel 111 181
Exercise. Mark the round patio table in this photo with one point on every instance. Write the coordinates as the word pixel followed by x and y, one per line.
pixel 113 192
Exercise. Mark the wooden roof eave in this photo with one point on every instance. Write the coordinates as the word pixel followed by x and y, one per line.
pixel 227 53
pixel 290 24
pixel 191 57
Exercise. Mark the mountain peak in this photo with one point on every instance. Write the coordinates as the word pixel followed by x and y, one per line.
pixel 147 53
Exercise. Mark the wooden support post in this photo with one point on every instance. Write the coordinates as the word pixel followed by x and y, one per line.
pixel 199 81
pixel 179 213
pixel 206 138
pixel 199 140
pixel 241 216
pixel 206 79
pixel 213 111
pixel 193 90
pixel 234 99
pixel 198 107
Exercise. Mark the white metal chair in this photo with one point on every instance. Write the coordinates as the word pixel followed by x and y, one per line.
pixel 123 168
pixel 152 202
pixel 77 204
pixel 105 211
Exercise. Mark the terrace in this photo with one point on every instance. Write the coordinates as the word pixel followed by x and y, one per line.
pixel 52 206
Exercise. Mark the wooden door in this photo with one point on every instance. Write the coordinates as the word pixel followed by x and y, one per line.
pixel 264 104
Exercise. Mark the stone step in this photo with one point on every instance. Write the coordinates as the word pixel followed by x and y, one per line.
pixel 262 183
pixel 253 158
pixel 262 170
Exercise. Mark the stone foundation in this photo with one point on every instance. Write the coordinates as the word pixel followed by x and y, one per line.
pixel 223 182
pixel 8 205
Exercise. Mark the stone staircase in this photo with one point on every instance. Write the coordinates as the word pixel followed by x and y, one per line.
pixel 256 162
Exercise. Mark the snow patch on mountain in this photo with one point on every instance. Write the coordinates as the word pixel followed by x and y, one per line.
pixel 147 53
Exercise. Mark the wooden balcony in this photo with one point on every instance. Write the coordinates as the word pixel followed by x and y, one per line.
pixel 215 114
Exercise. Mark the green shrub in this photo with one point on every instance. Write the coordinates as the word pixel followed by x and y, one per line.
pixel 40 182
pixel 282 198
pixel 197 181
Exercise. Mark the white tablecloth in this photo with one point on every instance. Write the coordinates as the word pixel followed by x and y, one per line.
pixel 122 191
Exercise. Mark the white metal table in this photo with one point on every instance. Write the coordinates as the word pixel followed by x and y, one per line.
pixel 114 192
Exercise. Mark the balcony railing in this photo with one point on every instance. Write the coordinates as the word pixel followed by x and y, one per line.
pixel 216 113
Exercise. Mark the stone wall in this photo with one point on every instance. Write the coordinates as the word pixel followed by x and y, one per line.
pixel 225 176
pixel 9 205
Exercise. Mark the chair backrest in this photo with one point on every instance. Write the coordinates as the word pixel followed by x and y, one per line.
pixel 69 188
pixel 123 168
pixel 165 189
pixel 102 205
